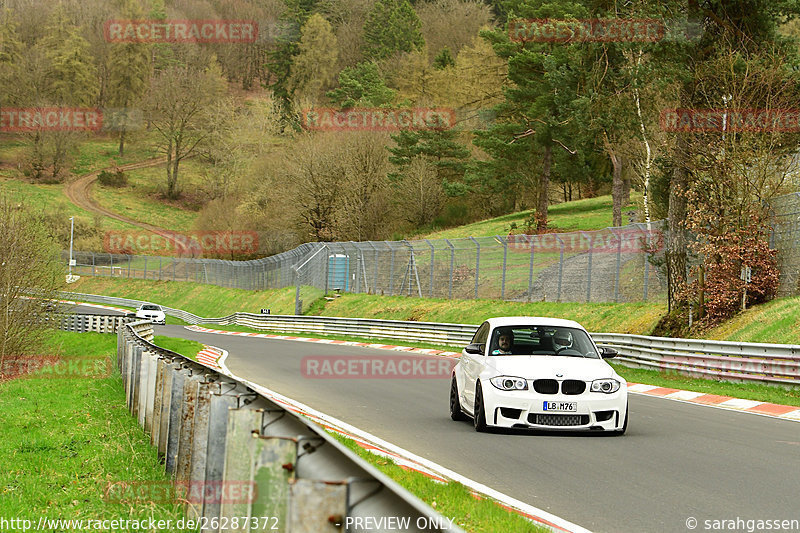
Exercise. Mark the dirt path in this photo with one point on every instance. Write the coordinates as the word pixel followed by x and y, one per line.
pixel 79 193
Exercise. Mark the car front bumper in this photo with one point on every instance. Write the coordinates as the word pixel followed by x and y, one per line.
pixel 526 409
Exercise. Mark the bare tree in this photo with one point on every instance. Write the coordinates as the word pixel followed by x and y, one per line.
pixel 29 263
pixel 177 106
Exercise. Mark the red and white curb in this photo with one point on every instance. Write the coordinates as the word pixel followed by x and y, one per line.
pixel 773 410
pixel 211 356
pixel 409 461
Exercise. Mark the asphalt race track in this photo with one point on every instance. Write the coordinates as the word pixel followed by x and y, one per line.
pixel 677 461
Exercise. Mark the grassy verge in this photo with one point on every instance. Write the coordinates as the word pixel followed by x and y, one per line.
pixel 184 347
pixel 451 500
pixel 587 214
pixel 66 438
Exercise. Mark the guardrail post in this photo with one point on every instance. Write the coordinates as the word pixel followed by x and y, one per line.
pixel 271 478
pixel 134 377
pixel 175 417
pixel 144 368
pixel 197 466
pixel 220 406
pixel 313 502
pixel 158 401
pixel 166 403
pixel 243 425
pixel 191 389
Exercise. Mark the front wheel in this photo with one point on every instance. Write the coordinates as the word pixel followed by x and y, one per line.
pixel 479 417
pixel 455 405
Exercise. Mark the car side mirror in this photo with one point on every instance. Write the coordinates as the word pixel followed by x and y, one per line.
pixel 475 349
pixel 607 352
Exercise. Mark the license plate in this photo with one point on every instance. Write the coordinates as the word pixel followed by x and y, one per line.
pixel 563 407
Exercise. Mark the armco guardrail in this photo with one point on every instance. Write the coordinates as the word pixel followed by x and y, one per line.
pixel 775 364
pixel 86 323
pixel 220 436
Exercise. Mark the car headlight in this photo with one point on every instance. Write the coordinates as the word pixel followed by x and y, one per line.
pixel 606 386
pixel 509 383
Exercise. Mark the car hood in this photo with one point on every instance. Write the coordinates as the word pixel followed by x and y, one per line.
pixel 549 366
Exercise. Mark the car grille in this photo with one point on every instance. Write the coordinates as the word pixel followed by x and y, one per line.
pixel 573 386
pixel 558 420
pixel 545 386
pixel 550 386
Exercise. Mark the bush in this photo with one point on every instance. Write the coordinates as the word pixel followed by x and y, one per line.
pixel 113 179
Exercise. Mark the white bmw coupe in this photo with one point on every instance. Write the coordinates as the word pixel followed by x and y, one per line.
pixel 538 373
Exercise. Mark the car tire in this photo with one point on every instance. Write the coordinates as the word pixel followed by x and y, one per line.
pixel 479 417
pixel 455 405
pixel 622 431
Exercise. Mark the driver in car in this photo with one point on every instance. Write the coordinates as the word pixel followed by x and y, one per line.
pixel 505 341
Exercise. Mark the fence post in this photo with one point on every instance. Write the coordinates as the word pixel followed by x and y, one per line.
pixel 619 263
pixel 560 266
pixel 530 269
pixel 93 273
pixel 589 271
pixel 477 264
pixel 432 259
pixel 505 263
pixel 391 271
pixel 452 267
pixel 145 267
pixel 159 268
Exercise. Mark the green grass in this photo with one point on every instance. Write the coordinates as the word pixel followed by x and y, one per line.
pixel 66 438
pixel 777 321
pixel 184 347
pixel 673 380
pixel 452 500
pixel 142 199
pixel 586 214
pixel 98 152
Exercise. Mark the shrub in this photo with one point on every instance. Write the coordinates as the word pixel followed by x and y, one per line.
pixel 113 179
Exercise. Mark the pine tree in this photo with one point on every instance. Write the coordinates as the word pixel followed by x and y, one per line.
pixel 444 59
pixel 129 74
pixel 362 85
pixel 314 68
pixel 72 75
pixel 392 26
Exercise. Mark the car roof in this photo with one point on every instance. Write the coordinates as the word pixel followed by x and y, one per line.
pixel 532 321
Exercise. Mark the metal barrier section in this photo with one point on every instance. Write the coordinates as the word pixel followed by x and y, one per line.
pixel 238 454
pixel 774 364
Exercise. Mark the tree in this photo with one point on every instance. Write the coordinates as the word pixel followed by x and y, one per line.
pixel 129 73
pixel 314 67
pixel 177 106
pixel 24 243
pixel 539 101
pixel 392 26
pixel 362 85
pixel 452 24
pixel 10 60
pixel 444 59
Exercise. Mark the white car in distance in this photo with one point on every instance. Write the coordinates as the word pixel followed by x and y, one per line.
pixel 538 373
pixel 152 312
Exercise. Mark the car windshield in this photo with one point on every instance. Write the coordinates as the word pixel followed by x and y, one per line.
pixel 542 340
pixel 151 308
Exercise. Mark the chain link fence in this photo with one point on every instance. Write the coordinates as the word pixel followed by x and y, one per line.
pixel 609 265
pixel 786 239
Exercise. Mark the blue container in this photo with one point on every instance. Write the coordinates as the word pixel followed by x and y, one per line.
pixel 338 272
